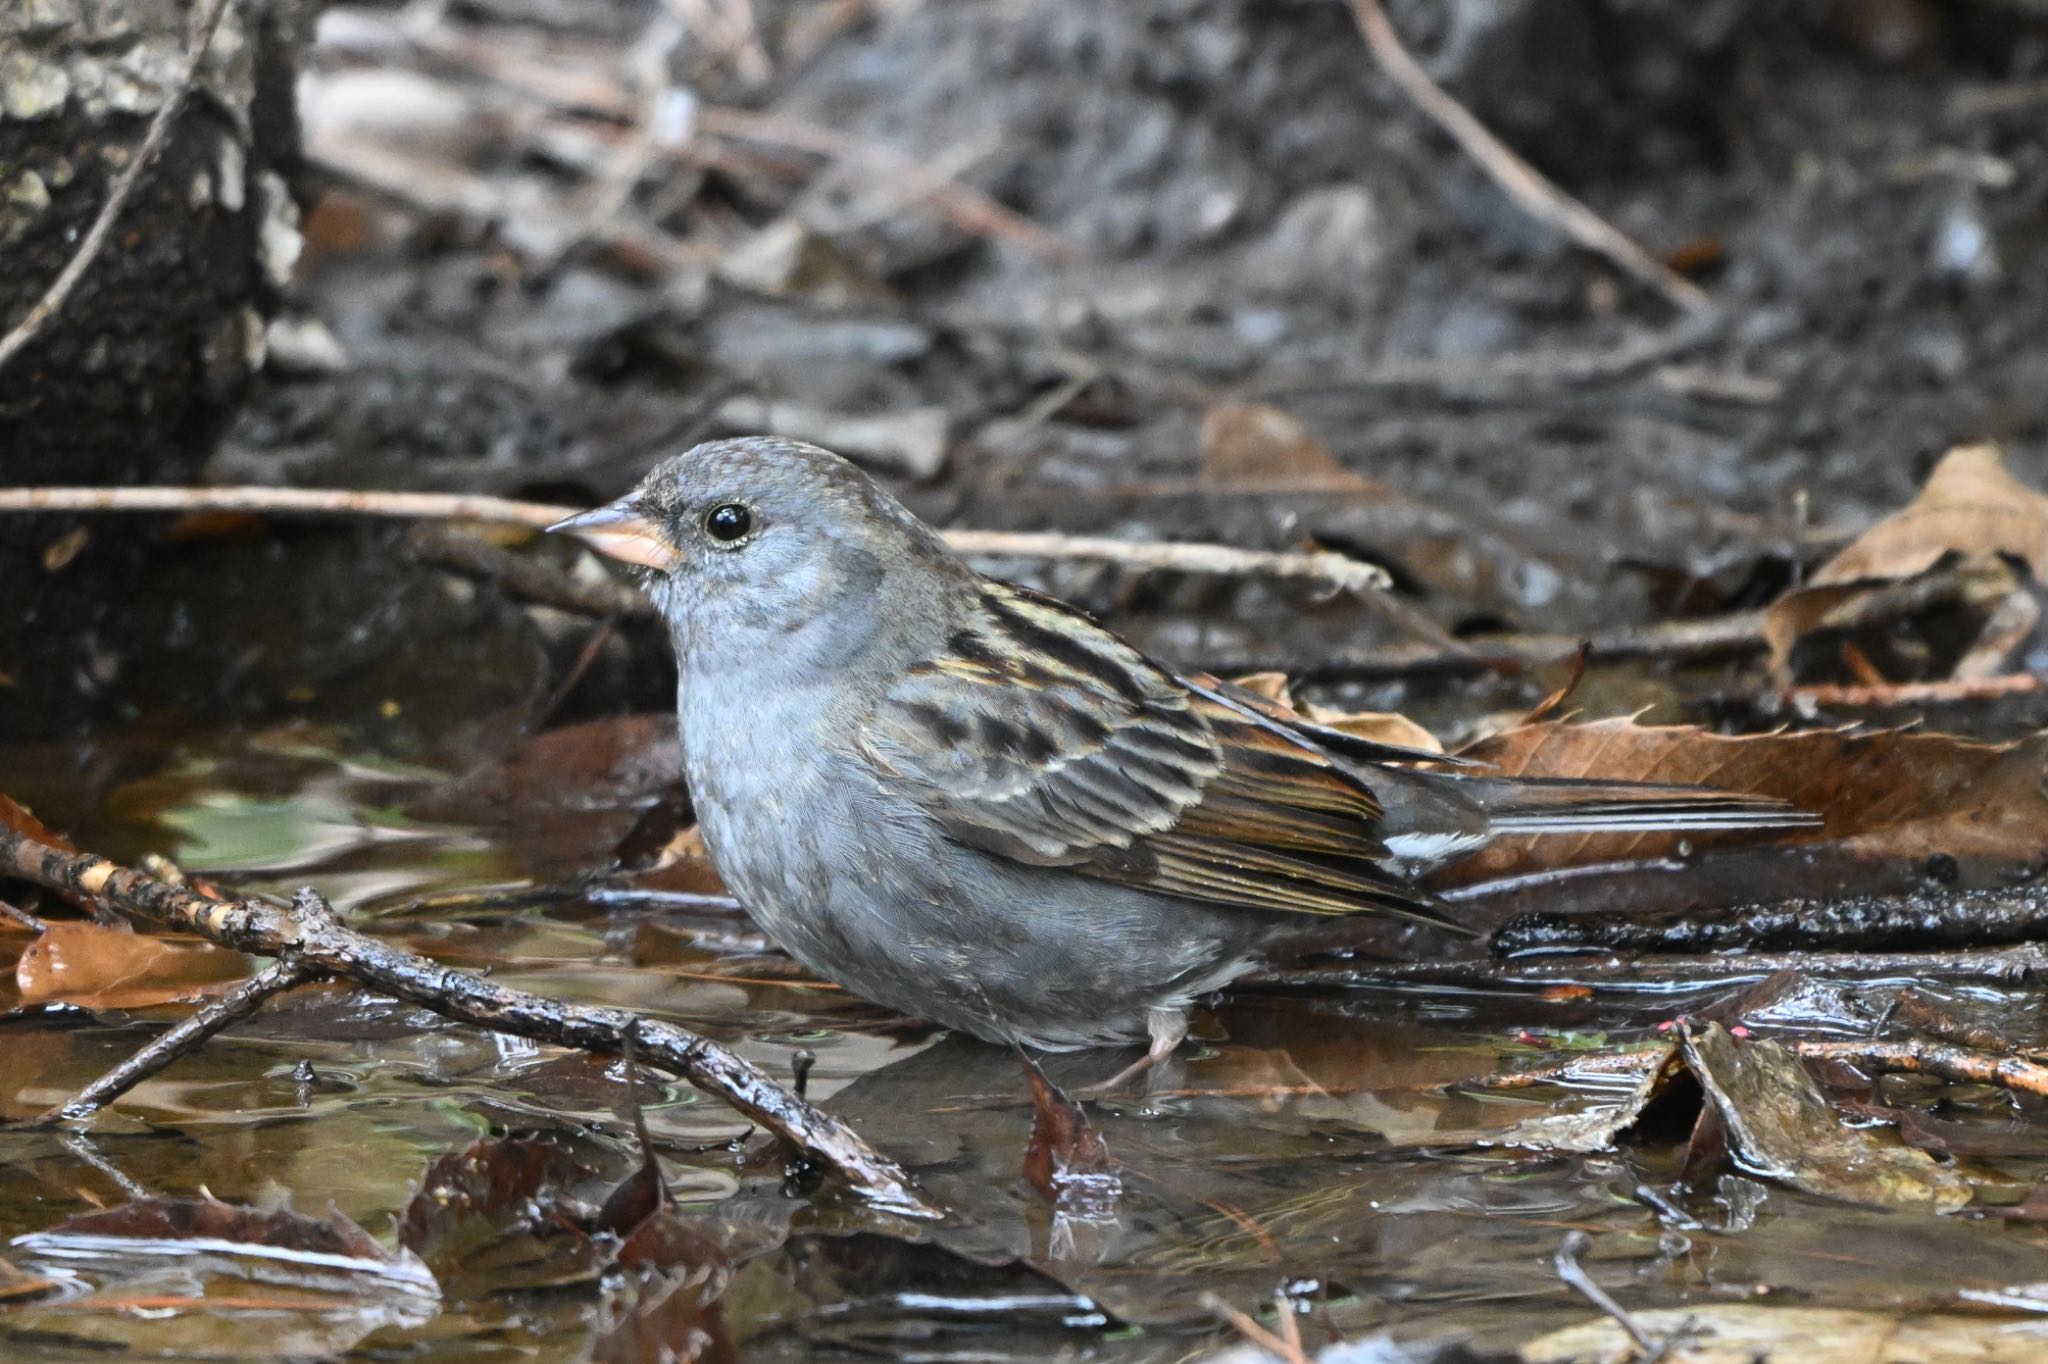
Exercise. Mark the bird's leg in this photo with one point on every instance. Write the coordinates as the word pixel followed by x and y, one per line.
pixel 1168 1028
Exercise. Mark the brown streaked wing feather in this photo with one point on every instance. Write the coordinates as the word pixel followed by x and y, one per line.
pixel 1044 738
pixel 1043 741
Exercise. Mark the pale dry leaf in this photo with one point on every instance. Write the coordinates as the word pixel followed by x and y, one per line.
pixel 1969 505
pixel 1780 1126
pixel 1253 445
pixel 1970 509
pixel 1744 1333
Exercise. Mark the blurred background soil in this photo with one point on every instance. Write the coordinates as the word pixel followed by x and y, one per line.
pixel 1012 253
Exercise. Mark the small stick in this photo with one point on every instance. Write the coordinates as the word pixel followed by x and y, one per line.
pixel 1528 187
pixel 1575 1277
pixel 312 932
pixel 95 239
pixel 1920 693
pixel 1919 1056
pixel 22 917
pixel 1913 1056
pixel 285 974
pixel 1320 565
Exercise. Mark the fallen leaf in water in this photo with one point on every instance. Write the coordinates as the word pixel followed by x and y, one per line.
pixel 564 800
pixel 1970 512
pixel 1741 1333
pixel 1253 445
pixel 490 1218
pixel 1067 1163
pixel 666 1319
pixel 330 1254
pixel 1594 1124
pixel 1888 794
pixel 95 966
pixel 1780 1126
pixel 18 818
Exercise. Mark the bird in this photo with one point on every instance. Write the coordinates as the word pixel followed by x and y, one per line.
pixel 974 804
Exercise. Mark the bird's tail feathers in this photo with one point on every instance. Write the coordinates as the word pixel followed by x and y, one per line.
pixel 1556 805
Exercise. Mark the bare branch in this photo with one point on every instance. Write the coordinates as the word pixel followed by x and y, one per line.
pixel 285 974
pixel 311 932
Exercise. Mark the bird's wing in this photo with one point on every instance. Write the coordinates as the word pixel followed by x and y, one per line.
pixel 1041 737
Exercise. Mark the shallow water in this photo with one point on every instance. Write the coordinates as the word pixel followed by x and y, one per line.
pixel 1313 1144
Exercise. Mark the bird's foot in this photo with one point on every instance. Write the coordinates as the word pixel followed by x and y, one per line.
pixel 1168 1029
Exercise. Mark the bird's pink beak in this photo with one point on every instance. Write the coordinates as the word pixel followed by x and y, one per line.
pixel 620 530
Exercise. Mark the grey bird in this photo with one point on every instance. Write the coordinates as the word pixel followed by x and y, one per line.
pixel 975 805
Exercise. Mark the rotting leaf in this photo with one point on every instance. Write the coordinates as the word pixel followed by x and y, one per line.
pixel 1887 794
pixel 331 1254
pixel 96 966
pixel 1067 1162
pixel 666 1319
pixel 492 1218
pixel 566 798
pixel 1779 1126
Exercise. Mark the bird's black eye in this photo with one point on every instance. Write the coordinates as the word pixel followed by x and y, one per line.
pixel 728 521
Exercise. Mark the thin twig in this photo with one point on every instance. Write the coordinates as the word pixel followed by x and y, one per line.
pixel 1528 187
pixel 1575 1277
pixel 284 974
pixel 1505 376
pixel 1919 1056
pixel 95 239
pixel 311 930
pixel 22 917
pixel 1321 565
pixel 1913 1056
pixel 1920 693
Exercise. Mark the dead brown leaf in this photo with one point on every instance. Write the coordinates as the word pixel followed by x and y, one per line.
pixel 492 1218
pixel 1969 505
pixel 1970 509
pixel 277 1246
pixel 1067 1163
pixel 1255 446
pixel 94 966
pixel 1888 794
